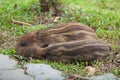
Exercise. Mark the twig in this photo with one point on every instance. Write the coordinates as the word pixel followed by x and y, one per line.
pixel 21 23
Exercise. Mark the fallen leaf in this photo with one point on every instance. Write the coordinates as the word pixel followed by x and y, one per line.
pixel 56 19
pixel 91 70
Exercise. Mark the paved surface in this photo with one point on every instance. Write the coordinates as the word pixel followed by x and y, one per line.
pixel 7 63
pixel 108 76
pixel 43 72
pixel 17 74
pixel 9 71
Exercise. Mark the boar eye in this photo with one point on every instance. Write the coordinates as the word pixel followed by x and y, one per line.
pixel 44 45
pixel 23 44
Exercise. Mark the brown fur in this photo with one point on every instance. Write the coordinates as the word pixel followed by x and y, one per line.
pixel 64 43
pixel 86 50
pixel 65 33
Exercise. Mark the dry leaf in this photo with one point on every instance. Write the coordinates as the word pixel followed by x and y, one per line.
pixel 56 19
pixel 91 70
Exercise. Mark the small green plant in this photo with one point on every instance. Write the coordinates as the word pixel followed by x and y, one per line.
pixel 116 71
pixel 9 51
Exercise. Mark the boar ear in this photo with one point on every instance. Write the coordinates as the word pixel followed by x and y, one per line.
pixel 36 35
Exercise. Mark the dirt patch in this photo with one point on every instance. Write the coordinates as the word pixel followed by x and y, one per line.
pixel 7 39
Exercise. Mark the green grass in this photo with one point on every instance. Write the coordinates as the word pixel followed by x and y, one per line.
pixel 102 15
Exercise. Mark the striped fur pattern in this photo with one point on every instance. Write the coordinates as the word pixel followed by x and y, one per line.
pixel 65 43
pixel 85 50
